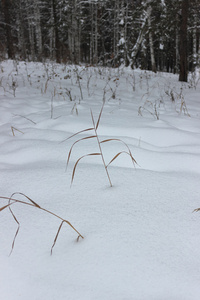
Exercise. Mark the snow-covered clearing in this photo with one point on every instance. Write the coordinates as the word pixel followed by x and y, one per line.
pixel 141 239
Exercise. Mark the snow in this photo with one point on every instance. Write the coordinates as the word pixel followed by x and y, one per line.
pixel 121 41
pixel 161 46
pixel 141 239
pixel 121 22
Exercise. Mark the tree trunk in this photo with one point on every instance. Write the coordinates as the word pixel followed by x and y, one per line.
pixel 21 33
pixel 183 41
pixel 92 34
pixel 96 35
pixel 138 41
pixel 194 54
pixel 6 5
pixel 116 33
pixel 74 33
pixel 153 63
pixel 38 29
pixel 30 29
pixel 55 26
pixel 177 49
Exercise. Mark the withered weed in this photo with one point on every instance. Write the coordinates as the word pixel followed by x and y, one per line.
pixel 30 202
pixel 99 142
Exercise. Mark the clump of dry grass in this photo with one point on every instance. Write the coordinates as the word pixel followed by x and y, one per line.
pixel 100 153
pixel 12 201
pixel 150 107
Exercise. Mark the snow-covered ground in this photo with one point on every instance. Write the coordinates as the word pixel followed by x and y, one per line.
pixel 141 239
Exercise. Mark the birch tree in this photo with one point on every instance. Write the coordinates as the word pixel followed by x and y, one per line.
pixel 153 62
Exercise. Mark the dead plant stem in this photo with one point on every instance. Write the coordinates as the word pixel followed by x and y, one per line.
pixel 95 130
pixel 44 209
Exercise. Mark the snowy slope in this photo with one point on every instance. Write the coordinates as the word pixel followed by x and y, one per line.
pixel 141 239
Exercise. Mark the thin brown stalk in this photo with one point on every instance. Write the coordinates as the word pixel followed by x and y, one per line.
pixel 18 226
pixel 2 208
pixel 33 204
pixel 73 173
pixel 118 155
pixel 13 128
pixel 70 151
pixel 56 236
pixel 196 210
pixel 76 134
pixel 25 118
pixel 109 140
pixel 97 125
pixel 95 129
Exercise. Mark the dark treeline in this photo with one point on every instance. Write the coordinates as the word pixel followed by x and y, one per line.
pixel 153 34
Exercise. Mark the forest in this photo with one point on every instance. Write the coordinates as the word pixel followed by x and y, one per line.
pixel 155 35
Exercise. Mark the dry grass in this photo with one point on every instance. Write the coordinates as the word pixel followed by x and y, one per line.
pixel 15 129
pixel 100 153
pixel 151 108
pixel 25 118
pixel 32 203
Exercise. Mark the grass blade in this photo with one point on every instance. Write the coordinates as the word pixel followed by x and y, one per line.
pixel 101 153
pixel 13 243
pixel 13 128
pixel 88 129
pixel 18 227
pixel 118 155
pixel 109 140
pixel 85 138
pixel 2 208
pixel 25 118
pixel 56 236
pixel 196 210
pixel 100 115
pixel 33 202
pixel 73 173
